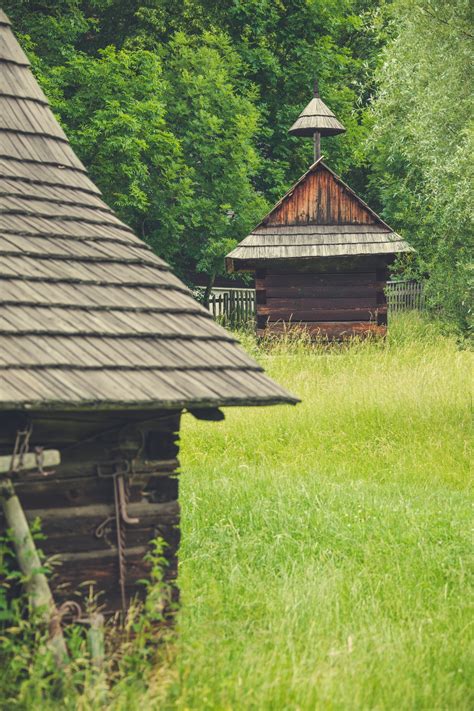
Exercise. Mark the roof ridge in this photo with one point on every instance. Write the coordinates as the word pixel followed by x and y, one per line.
pixel 120 309
pixel 96 282
pixel 13 61
pixel 81 238
pixel 4 19
pixel 35 134
pixel 154 336
pixel 49 184
pixel 66 218
pixel 34 99
pixel 57 201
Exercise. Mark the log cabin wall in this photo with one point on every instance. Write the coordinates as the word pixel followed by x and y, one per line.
pixel 330 298
pixel 75 504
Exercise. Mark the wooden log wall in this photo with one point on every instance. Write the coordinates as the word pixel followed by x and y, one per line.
pixel 76 504
pixel 328 298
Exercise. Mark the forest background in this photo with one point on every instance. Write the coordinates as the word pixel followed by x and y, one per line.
pixel 181 109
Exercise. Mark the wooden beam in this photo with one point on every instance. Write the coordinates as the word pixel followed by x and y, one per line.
pixel 47 458
pixel 41 598
pixel 212 414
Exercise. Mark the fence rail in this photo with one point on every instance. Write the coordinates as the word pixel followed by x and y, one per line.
pixel 232 307
pixel 405 296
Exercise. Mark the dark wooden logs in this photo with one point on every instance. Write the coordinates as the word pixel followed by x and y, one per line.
pixel 77 504
pixel 329 298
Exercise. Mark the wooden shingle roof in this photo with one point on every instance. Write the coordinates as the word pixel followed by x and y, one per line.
pixel 89 315
pixel 316 116
pixel 320 216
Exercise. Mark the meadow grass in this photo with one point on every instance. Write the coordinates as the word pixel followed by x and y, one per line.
pixel 326 552
pixel 325 560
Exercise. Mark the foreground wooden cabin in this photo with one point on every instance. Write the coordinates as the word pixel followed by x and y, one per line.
pixel 102 349
pixel 321 256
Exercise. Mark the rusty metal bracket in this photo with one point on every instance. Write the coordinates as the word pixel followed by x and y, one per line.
pixel 101 529
pixel 22 444
pixel 123 502
pixel 116 467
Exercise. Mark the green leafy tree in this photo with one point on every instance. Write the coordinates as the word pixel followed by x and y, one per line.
pixel 422 140
pixel 281 47
pixel 217 126
pixel 114 110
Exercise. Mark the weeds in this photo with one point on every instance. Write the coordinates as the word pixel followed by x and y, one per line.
pixel 29 677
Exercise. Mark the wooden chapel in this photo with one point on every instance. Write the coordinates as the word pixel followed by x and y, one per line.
pixel 321 256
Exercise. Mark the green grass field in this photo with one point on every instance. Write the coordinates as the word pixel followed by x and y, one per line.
pixel 325 561
pixel 326 552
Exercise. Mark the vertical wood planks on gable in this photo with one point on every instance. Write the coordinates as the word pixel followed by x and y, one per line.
pixel 320 199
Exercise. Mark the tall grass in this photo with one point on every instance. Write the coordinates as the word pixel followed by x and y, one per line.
pixel 325 559
pixel 326 548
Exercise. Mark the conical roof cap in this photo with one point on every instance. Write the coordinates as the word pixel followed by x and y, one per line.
pixel 316 117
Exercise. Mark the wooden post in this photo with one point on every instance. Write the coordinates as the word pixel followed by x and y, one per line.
pixel 317 145
pixel 39 592
pixel 95 640
pixel 316 134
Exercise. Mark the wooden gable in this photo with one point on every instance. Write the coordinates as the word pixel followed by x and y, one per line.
pixel 321 198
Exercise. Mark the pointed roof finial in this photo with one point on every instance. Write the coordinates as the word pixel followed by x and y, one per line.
pixel 316 118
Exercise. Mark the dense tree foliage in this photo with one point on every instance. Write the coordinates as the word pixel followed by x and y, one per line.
pixel 422 143
pixel 181 112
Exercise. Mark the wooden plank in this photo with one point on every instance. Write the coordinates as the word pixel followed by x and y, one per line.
pixel 83 540
pixel 320 279
pixel 91 514
pixel 294 284
pixel 323 291
pixel 49 458
pixel 274 305
pixel 57 492
pixel 323 315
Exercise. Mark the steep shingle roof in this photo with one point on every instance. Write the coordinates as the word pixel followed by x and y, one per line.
pixel 320 216
pixel 316 116
pixel 89 315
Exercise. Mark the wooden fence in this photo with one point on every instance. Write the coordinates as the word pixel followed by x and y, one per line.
pixel 236 307
pixel 232 307
pixel 405 296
